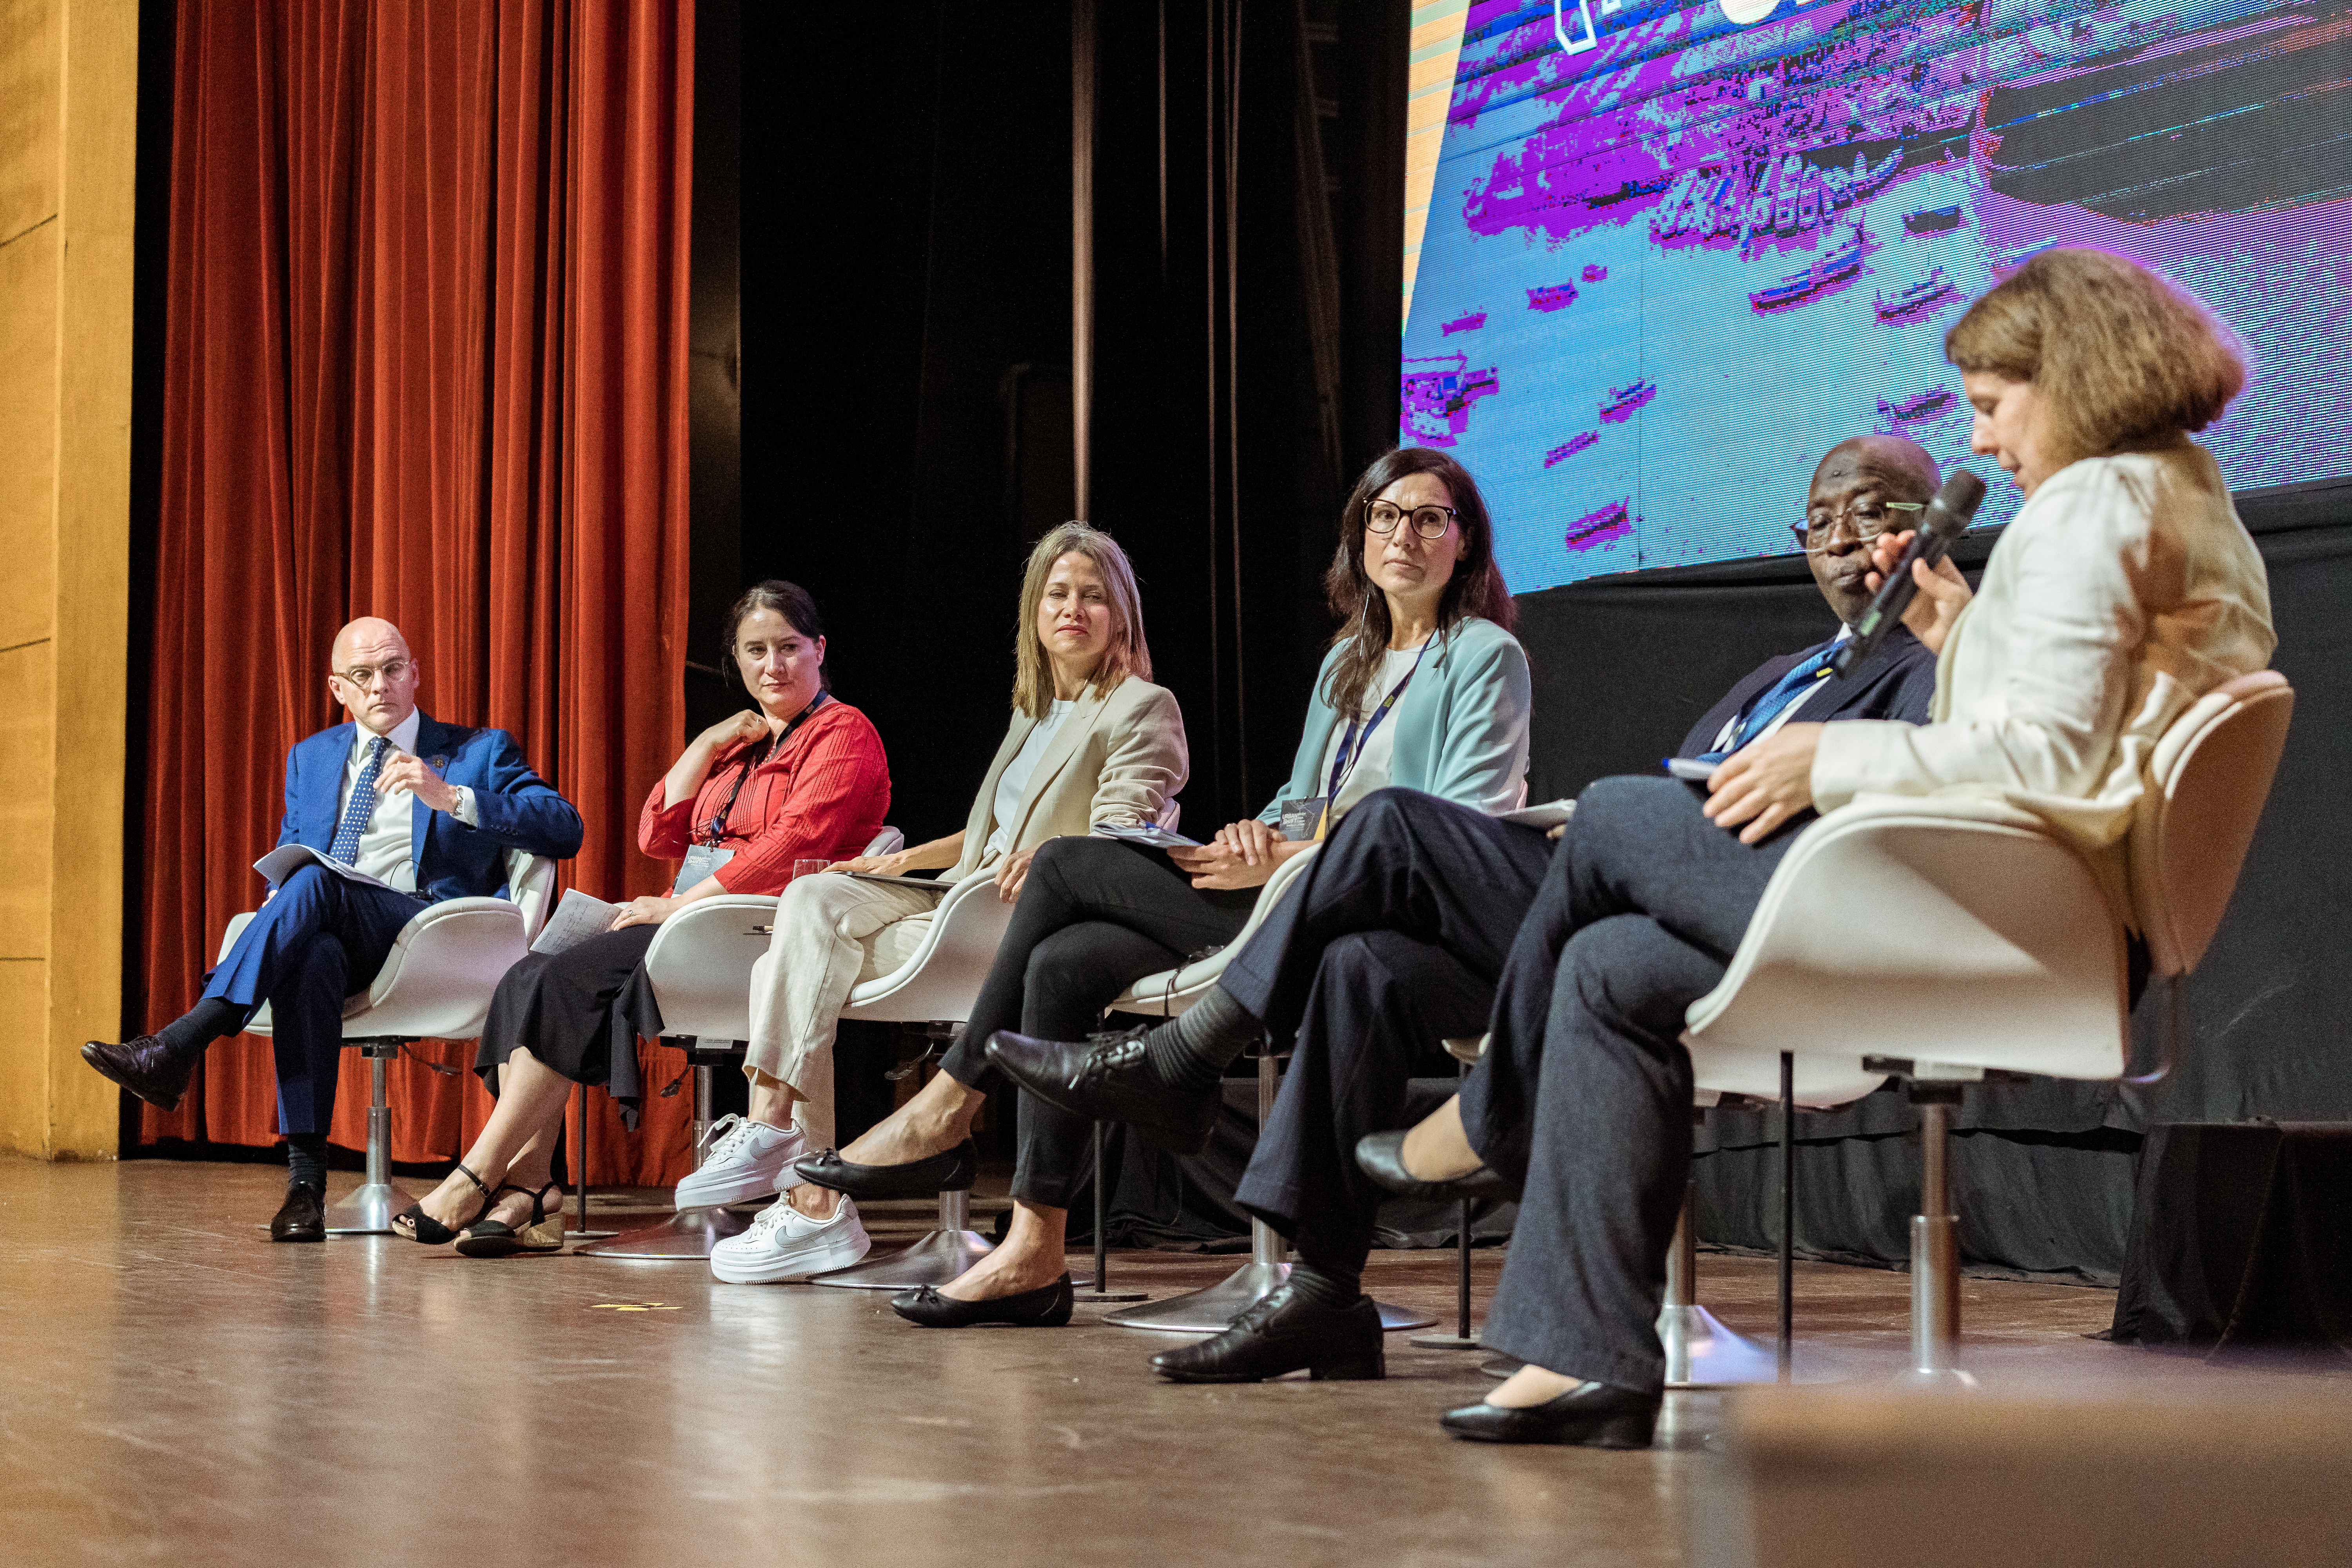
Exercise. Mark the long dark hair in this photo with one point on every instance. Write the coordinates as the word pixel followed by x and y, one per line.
pixel 1476 587
pixel 789 600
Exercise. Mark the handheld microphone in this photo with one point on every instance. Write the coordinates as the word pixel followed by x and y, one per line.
pixel 1946 519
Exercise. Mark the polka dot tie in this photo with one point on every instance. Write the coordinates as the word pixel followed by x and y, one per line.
pixel 363 806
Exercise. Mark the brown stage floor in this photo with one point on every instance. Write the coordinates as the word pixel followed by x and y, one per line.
pixel 175 1390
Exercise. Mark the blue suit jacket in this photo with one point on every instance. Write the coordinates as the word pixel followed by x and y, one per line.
pixel 519 809
pixel 1897 682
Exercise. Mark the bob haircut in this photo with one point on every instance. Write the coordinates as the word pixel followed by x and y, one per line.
pixel 1033 680
pixel 1476 587
pixel 789 600
pixel 2119 357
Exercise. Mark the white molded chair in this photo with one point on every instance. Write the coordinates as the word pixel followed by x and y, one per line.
pixel 1163 995
pixel 1940 939
pixel 699 964
pixel 435 984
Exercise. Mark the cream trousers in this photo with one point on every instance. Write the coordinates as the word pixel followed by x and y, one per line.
pixel 833 934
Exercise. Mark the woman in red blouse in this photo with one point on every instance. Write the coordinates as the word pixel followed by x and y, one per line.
pixel 804 778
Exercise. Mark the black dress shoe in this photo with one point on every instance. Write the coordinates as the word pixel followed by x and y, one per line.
pixel 1108 1078
pixel 953 1171
pixel 303 1216
pixel 1281 1333
pixel 146 1067
pixel 1589 1415
pixel 1047 1307
pixel 1381 1156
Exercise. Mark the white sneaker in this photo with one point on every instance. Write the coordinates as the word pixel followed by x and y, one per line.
pixel 741 1159
pixel 785 1243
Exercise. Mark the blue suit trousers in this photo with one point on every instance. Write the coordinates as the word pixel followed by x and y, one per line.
pixel 320 940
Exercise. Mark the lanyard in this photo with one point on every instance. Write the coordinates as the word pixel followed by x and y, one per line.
pixel 1351 751
pixel 715 827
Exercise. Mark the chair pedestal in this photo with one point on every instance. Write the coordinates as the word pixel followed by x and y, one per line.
pixel 1461 1339
pixel 369 1209
pixel 933 1257
pixel 687 1235
pixel 1700 1351
pixel 1213 1310
pixel 1935 1252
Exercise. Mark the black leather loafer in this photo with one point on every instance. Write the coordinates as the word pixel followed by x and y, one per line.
pixel 1108 1079
pixel 1281 1334
pixel 953 1171
pixel 303 1216
pixel 1381 1156
pixel 144 1066
pixel 1047 1307
pixel 1589 1415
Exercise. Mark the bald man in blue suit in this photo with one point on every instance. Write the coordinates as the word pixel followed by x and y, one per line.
pixel 427 810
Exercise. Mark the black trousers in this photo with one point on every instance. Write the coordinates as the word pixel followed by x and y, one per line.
pixel 1095 915
pixel 1394 939
pixel 1584 1097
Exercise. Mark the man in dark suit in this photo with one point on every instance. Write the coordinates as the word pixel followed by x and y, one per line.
pixel 1398 937
pixel 426 811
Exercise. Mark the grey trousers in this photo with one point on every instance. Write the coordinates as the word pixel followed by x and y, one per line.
pixel 1584 1097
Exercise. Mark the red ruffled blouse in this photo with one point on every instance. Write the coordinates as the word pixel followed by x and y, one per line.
pixel 823 794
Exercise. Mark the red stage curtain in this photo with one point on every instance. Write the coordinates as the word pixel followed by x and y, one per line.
pixel 426 359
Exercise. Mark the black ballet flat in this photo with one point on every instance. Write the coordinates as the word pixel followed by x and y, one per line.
pixel 1281 1334
pixel 1381 1157
pixel 953 1171
pixel 1047 1307
pixel 431 1231
pixel 1589 1415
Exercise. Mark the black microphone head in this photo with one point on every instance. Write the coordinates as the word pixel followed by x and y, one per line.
pixel 1954 505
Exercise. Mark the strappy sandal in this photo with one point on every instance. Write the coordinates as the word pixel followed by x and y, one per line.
pixel 431 1231
pixel 496 1238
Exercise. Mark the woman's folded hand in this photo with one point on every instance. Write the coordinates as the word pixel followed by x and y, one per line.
pixel 1241 854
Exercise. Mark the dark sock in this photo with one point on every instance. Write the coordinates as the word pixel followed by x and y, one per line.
pixel 1325 1285
pixel 201 1024
pixel 305 1160
pixel 1191 1050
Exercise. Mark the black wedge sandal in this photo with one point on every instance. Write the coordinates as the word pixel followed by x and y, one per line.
pixel 431 1231
pixel 496 1238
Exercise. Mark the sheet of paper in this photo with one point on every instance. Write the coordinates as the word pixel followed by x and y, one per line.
pixel 1547 815
pixel 1150 834
pixel 288 858
pixel 576 920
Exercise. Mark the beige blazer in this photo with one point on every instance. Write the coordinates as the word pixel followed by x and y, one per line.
pixel 1118 757
pixel 2125 589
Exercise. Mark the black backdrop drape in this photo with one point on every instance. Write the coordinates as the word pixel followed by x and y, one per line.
pixel 2043 1171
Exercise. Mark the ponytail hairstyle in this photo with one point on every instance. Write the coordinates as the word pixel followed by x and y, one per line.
pixel 1476 587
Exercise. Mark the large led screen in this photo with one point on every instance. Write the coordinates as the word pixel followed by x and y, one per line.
pixel 1674 252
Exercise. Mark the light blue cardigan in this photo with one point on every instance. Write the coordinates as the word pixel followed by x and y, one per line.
pixel 1461 728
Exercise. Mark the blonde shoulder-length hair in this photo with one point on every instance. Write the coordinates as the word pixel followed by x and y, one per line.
pixel 2119 357
pixel 1129 654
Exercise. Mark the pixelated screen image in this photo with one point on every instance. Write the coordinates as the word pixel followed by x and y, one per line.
pixel 1674 252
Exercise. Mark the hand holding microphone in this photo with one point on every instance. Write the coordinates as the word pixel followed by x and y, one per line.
pixel 1947 517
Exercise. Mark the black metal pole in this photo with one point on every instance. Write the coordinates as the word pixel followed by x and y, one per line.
pixel 1102 1246
pixel 1787 1213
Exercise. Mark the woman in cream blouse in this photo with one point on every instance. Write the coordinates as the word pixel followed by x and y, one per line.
pixel 1091 739
pixel 2125 589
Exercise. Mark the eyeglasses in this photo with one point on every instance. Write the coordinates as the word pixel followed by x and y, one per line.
pixel 1429 521
pixel 1867 516
pixel 363 676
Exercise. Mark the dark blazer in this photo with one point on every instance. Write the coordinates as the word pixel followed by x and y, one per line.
pixel 1898 681
pixel 519 809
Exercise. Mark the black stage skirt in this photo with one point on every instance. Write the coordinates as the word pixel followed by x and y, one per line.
pixel 580 1012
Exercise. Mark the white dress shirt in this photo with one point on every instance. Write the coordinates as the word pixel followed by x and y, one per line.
pixel 2125 589
pixel 1731 725
pixel 389 839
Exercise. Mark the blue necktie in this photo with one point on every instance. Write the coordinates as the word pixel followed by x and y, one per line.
pixel 346 846
pixel 1779 694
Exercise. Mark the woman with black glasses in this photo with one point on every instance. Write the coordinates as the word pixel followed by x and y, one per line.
pixel 1424 687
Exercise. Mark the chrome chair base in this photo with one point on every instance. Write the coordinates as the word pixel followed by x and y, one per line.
pixel 1213 1310
pixel 1703 1354
pixel 369 1210
pixel 686 1237
pixel 933 1258
pixel 1445 1342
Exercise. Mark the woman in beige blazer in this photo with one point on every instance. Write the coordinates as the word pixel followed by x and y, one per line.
pixel 1091 739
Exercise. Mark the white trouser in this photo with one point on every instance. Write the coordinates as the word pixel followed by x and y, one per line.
pixel 833 934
